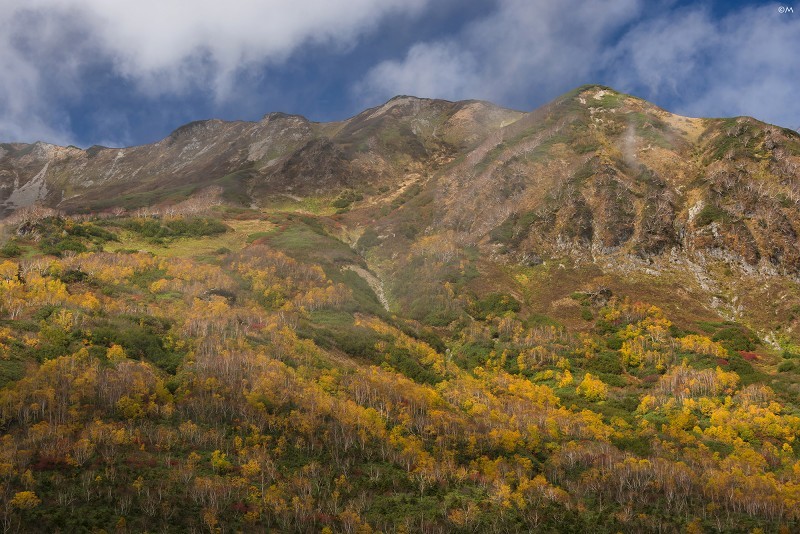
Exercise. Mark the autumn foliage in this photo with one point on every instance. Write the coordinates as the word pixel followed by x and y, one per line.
pixel 253 392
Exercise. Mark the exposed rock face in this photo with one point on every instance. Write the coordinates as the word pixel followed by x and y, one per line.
pixel 594 173
pixel 281 153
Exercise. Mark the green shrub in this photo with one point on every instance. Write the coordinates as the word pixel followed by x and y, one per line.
pixel 473 354
pixel 368 239
pixel 62 235
pixel 57 245
pixel 514 229
pixel 10 250
pixel 346 198
pixel 614 342
pixel 494 304
pixel 711 213
pixel 504 233
pixel 639 447
pixel 440 317
pixel 156 230
pixel 408 230
pixel 736 338
pixel 73 275
pixel 141 339
pixel 604 362
pixel 742 367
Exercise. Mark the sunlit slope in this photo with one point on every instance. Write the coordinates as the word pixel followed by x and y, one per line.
pixel 431 317
pixel 232 370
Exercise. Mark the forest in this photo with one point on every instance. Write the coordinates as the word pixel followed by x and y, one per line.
pixel 219 374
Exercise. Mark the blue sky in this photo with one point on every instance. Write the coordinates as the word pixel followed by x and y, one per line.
pixel 128 72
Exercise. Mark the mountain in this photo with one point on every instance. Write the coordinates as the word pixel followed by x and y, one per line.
pixel 598 177
pixel 281 154
pixel 433 316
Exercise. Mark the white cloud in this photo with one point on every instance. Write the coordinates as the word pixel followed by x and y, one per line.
pixel 24 110
pixel 160 46
pixel 533 50
pixel 438 68
pixel 660 54
pixel 179 42
pixel 524 46
pixel 742 64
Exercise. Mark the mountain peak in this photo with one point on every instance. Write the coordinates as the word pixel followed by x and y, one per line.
pixel 279 115
pixel 194 127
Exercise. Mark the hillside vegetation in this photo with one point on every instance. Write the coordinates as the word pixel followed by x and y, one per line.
pixel 433 317
pixel 263 386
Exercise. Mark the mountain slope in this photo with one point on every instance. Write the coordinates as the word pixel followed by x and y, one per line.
pixel 616 190
pixel 431 317
pixel 596 177
pixel 279 154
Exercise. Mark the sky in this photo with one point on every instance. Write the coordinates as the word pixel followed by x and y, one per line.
pixel 128 72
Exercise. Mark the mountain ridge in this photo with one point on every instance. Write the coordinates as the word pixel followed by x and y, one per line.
pixel 279 131
pixel 433 316
pixel 595 176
